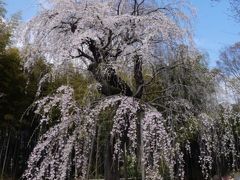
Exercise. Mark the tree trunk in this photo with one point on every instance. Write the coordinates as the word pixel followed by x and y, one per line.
pixel 111 83
pixel 110 166
pixel 5 157
pixel 138 76
pixel 140 165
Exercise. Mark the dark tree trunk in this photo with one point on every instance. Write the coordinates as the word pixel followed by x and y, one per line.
pixel 138 76
pixel 111 83
pixel 140 166
pixel 110 166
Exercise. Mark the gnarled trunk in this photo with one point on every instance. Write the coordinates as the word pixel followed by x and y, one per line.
pixel 111 83
pixel 138 76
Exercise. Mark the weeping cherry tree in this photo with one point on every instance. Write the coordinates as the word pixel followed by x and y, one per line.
pixel 113 41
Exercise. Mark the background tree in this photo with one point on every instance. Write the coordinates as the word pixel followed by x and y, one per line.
pixel 12 102
pixel 229 64
pixel 235 7
pixel 15 130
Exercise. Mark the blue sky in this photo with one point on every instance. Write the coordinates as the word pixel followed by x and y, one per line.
pixel 27 7
pixel 214 28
